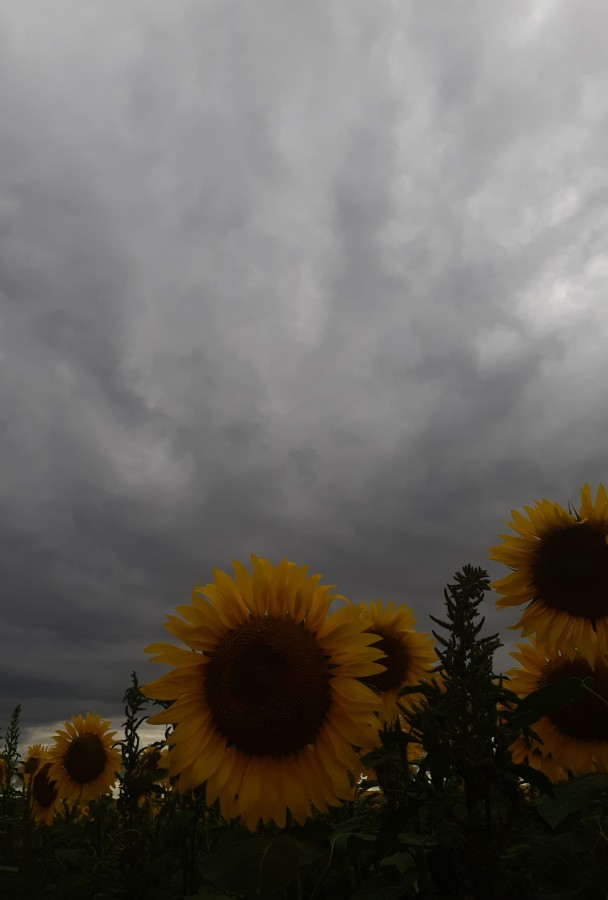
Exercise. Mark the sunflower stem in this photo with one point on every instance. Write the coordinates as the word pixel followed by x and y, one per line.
pixel 463 761
pixel 11 754
pixel 402 746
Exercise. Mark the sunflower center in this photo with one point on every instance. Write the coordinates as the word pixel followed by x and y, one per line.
pixel 586 718
pixel 85 758
pixel 396 662
pixel 268 687
pixel 570 570
pixel 43 790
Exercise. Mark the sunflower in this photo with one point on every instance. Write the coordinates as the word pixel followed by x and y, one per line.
pixel 267 705
pixel 155 761
pixel 152 773
pixel 560 568
pixel 45 802
pixel 83 759
pixel 35 755
pixel 575 737
pixel 409 655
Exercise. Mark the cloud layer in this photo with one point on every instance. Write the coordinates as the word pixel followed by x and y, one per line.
pixel 323 280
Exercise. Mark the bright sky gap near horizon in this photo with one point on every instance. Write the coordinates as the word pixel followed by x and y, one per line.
pixel 324 280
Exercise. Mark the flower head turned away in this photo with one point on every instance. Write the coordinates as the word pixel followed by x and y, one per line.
pixel 266 703
pixel 575 737
pixel 153 769
pixel 84 760
pixel 409 658
pixel 560 569
pixel 42 793
pixel 45 802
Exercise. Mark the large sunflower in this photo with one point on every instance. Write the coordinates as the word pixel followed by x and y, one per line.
pixel 560 568
pixel 410 655
pixel 575 737
pixel 267 704
pixel 84 761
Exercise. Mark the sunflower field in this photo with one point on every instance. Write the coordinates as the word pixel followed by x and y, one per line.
pixel 322 750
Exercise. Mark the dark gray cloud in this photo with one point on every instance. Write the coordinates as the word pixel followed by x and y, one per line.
pixel 324 281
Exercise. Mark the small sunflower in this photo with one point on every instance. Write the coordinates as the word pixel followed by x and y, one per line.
pixel 36 754
pixel 267 705
pixel 155 761
pixel 409 655
pixel 575 737
pixel 84 761
pixel 45 802
pixel 560 568
pixel 152 771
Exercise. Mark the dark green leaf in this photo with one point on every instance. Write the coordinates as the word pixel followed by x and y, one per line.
pixel 413 839
pixel 257 864
pixel 548 699
pixel 572 796
pixel 378 889
pixel 401 861
pixel 210 893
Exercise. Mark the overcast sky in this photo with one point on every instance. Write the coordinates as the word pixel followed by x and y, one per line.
pixel 325 280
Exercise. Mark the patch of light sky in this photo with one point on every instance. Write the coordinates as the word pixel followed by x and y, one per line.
pixel 569 307
pixel 535 17
pixel 569 300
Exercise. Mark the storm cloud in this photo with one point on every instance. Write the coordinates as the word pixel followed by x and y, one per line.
pixel 323 280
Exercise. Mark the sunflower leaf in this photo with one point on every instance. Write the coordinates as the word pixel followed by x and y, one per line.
pixel 548 699
pixel 378 889
pixel 257 865
pixel 572 796
pixel 280 862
